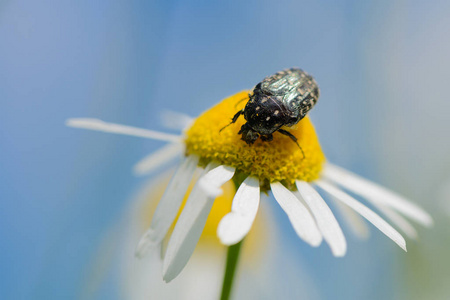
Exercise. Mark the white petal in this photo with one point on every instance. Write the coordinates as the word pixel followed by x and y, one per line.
pixel 364 211
pixel 163 246
pixel 175 120
pixel 331 231
pixel 235 225
pixel 188 229
pixel 158 158
pixel 397 219
pixel 300 217
pixel 99 125
pixel 368 189
pixel 168 206
pixel 355 222
pixel 210 183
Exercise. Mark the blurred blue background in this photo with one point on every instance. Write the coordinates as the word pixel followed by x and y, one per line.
pixel 383 68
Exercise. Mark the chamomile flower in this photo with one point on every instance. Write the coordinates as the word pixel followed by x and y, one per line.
pixel 294 176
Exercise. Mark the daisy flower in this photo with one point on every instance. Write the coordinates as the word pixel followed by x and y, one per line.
pixel 294 176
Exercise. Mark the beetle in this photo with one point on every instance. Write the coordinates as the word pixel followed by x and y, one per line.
pixel 282 99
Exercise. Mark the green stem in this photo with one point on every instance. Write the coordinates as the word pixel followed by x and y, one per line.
pixel 230 270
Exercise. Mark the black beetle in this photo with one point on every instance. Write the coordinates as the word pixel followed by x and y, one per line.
pixel 282 99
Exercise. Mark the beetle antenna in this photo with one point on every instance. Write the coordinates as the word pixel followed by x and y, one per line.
pixel 237 103
pixel 287 133
pixel 233 120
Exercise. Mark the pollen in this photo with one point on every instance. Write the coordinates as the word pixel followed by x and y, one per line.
pixel 271 161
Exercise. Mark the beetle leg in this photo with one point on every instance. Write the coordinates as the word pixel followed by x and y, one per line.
pixel 287 133
pixel 233 120
pixel 236 116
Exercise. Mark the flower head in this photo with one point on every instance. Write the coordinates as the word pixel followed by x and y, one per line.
pixel 293 174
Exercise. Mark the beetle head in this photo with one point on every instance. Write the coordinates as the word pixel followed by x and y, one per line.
pixel 248 134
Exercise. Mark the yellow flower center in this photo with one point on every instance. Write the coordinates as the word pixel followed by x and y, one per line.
pixel 278 160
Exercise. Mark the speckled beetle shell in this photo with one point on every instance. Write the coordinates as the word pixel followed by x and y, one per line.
pixel 282 99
